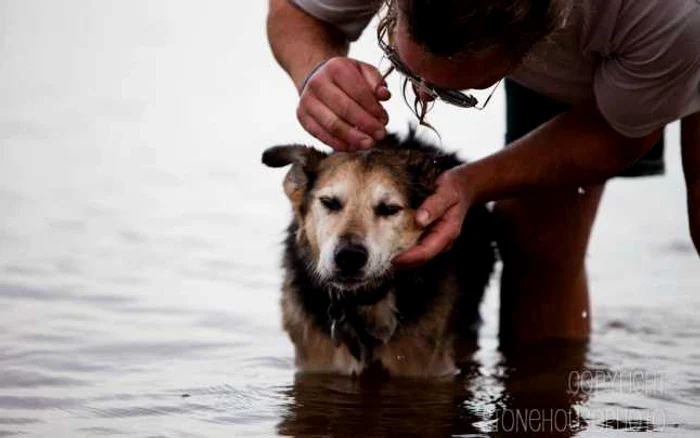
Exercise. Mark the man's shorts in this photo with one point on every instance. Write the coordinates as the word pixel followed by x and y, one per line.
pixel 527 109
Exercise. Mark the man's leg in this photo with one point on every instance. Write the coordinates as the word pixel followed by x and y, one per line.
pixel 690 151
pixel 542 241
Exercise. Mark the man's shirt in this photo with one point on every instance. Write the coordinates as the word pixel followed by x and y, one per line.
pixel 639 59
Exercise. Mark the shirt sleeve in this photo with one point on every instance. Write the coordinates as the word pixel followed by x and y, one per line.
pixel 653 79
pixel 349 16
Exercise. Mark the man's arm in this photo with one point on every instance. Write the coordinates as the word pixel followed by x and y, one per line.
pixel 300 41
pixel 690 150
pixel 574 149
pixel 339 101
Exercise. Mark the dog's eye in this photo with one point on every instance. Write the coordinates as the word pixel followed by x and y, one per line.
pixel 386 210
pixel 331 203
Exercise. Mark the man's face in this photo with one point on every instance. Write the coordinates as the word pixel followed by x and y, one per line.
pixel 477 71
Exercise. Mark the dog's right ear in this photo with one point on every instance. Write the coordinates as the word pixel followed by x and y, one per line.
pixel 304 160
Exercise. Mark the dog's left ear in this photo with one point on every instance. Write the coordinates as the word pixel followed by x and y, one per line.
pixel 304 160
pixel 284 155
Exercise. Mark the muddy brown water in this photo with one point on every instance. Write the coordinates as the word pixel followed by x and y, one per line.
pixel 140 242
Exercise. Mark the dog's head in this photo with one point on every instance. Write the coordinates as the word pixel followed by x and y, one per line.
pixel 355 211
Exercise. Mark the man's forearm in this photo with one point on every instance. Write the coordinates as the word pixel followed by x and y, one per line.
pixel 690 150
pixel 299 41
pixel 576 148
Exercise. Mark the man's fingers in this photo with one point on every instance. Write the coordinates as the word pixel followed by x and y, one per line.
pixel 335 126
pixel 375 80
pixel 438 239
pixel 371 75
pixel 354 84
pixel 434 207
pixel 315 129
pixel 350 111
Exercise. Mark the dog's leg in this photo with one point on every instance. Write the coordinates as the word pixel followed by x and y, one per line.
pixel 416 356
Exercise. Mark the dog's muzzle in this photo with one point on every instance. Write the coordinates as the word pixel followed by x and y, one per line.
pixel 350 259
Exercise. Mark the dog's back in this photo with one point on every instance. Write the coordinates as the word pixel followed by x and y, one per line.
pixel 411 322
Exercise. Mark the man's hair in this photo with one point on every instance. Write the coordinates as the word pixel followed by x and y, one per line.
pixel 455 27
pixel 463 27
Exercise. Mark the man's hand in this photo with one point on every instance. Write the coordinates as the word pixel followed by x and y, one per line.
pixel 444 211
pixel 340 106
pixel 340 97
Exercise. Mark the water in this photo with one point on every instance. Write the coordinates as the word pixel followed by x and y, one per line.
pixel 140 241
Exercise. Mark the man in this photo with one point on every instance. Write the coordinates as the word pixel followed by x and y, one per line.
pixel 617 71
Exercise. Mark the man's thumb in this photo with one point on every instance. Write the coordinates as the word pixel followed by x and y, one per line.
pixel 375 80
pixel 431 209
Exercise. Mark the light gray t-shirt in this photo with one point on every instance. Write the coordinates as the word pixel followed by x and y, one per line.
pixel 639 59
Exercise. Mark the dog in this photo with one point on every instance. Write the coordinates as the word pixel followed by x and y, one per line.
pixel 346 309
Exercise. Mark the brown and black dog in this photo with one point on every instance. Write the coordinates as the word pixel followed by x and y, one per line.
pixel 345 307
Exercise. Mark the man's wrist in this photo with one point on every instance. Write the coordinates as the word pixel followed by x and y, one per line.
pixel 305 80
pixel 472 190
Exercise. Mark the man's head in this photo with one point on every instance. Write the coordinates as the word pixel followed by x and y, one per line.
pixel 467 44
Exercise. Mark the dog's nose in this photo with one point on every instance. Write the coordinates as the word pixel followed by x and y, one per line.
pixel 350 258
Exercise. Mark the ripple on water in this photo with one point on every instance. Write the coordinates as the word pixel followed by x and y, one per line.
pixel 20 292
pixel 27 271
pixel 629 425
pixel 149 350
pixel 18 378
pixel 18 420
pixel 11 402
pixel 101 431
pixel 145 411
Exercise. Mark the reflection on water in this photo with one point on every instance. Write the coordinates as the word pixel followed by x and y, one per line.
pixel 523 394
pixel 140 246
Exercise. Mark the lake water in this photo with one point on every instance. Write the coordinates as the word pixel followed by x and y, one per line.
pixel 140 246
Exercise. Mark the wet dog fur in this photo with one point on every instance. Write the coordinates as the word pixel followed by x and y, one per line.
pixel 344 307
